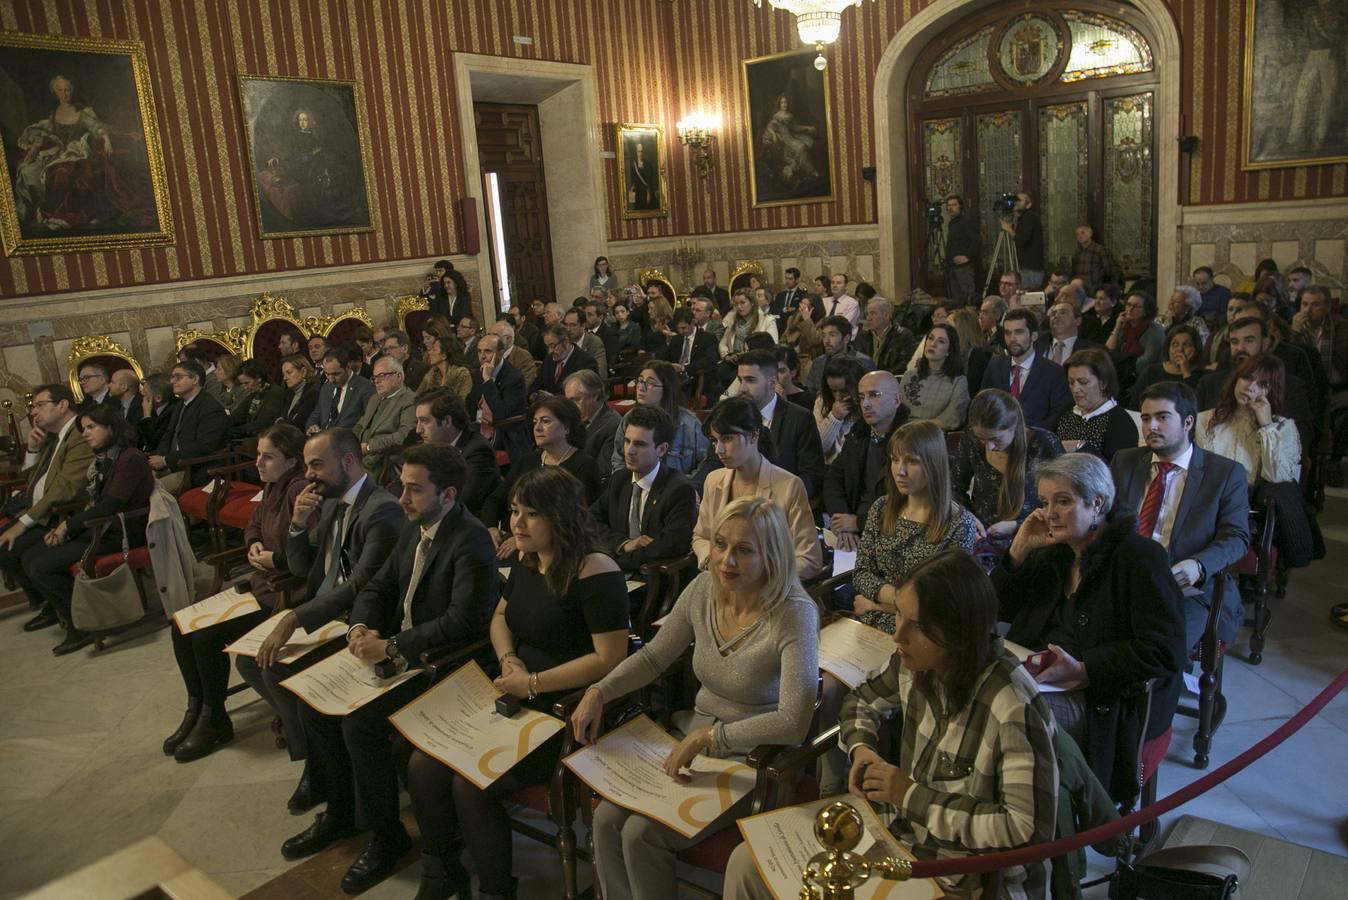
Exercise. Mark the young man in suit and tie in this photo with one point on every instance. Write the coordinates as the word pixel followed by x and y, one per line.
pixel 1192 502
pixel 199 426
pixel 498 395
pixel 358 527
pixel 648 510
pixel 562 359
pixel 788 298
pixel 56 468
pixel 443 419
pixel 435 593
pixel 389 417
pixel 1039 385
pixel 342 398
pixel 693 352
pixel 574 321
pixel 124 395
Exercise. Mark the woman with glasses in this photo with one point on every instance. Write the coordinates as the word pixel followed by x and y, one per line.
pixel 1138 339
pixel 735 427
pixel 659 385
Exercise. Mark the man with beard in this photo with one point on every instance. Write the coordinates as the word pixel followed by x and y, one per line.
pixel 1192 502
pixel 1038 383
pixel 358 526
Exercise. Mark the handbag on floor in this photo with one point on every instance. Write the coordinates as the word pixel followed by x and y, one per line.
pixel 113 601
pixel 1187 872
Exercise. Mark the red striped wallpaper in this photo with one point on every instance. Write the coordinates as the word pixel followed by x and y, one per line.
pixel 655 60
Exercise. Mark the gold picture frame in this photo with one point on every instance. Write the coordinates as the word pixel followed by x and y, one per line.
pixel 1272 116
pixel 308 156
pixel 786 165
pixel 46 202
pixel 636 197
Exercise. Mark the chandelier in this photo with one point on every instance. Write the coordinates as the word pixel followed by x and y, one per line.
pixel 818 22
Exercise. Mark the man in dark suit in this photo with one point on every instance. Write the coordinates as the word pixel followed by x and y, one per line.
pixel 647 511
pixel 794 443
pixel 342 398
pixel 358 526
pixel 1038 384
pixel 788 298
pixel 399 346
pixel 198 427
pixel 563 358
pixel 607 334
pixel 590 394
pixel 436 593
pixel 714 292
pixel 94 385
pixel 124 395
pixel 856 477
pixel 498 395
pixel 443 419
pixel 1064 327
pixel 693 352
pixel 1192 502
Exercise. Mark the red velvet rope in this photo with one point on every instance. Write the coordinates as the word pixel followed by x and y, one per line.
pixel 931 868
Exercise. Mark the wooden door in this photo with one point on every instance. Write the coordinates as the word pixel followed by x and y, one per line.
pixel 510 144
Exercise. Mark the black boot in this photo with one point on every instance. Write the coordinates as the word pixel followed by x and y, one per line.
pixel 75 640
pixel 213 729
pixel 443 878
pixel 184 727
pixel 306 796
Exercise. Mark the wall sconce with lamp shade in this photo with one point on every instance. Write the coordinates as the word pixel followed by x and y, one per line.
pixel 697 131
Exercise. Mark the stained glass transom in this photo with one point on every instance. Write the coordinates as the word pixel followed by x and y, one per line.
pixel 1029 48
pixel 1102 46
pixel 1063 175
pixel 999 168
pixel 963 69
pixel 1128 180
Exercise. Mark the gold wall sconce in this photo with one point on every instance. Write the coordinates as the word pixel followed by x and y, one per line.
pixel 698 132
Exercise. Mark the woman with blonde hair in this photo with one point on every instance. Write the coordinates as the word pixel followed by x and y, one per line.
pixel 754 633
pixel 227 368
pixel 974 351
pixel 744 319
pixel 917 518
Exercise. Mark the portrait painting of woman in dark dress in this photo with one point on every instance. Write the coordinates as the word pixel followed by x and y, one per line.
pixel 305 147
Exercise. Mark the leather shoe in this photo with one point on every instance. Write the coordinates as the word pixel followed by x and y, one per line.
pixel 306 796
pixel 376 862
pixel 323 833
pixel 184 727
pixel 443 878
pixel 45 618
pixel 211 730
pixel 75 640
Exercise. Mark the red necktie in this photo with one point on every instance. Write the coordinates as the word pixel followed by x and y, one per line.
pixel 1015 381
pixel 1151 504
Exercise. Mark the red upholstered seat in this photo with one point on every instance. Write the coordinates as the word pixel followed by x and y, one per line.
pixel 238 510
pixel 535 796
pixel 713 853
pixel 193 503
pixel 1153 751
pixel 138 560
pixel 502 459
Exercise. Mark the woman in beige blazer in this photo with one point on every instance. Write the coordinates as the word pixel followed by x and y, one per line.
pixel 735 426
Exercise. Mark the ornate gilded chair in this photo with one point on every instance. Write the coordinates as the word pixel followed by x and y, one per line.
pixel 271 318
pixel 740 277
pixel 339 330
pixel 105 352
pixel 647 277
pixel 413 313
pixel 214 344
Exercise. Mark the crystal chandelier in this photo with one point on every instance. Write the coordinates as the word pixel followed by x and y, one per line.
pixel 817 21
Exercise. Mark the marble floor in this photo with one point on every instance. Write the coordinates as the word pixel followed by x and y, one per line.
pixel 81 774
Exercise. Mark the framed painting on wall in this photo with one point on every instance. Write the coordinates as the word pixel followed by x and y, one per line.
pixel 787 127
pixel 308 155
pixel 83 165
pixel 642 189
pixel 1296 111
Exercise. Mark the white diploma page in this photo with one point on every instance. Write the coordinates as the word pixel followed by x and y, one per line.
pixel 783 843
pixel 341 684
pixel 300 643
pixel 217 608
pixel 851 651
pixel 626 767
pixel 456 722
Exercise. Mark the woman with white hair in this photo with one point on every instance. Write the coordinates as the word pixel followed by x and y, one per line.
pixel 1080 583
pixel 755 638
pixel 1183 309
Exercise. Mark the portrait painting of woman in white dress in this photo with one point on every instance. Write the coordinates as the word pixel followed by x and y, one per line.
pixel 788 129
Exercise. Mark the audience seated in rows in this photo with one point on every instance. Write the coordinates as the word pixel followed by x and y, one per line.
pixel 197 426
pixel 389 417
pixel 343 396
pixel 838 404
pixel 1035 382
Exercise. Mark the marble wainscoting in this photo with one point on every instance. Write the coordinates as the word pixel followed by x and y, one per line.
pixel 1233 238
pixel 851 249
pixel 36 333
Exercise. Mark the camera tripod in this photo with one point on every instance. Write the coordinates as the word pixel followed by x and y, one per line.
pixel 1004 251
pixel 935 245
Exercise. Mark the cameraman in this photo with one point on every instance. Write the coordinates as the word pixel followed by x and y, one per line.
pixel 961 252
pixel 1026 230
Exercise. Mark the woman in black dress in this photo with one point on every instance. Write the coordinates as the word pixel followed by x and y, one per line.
pixel 1097 423
pixel 561 625
pixel 1185 360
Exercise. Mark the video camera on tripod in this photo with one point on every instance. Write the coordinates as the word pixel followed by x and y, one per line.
pixel 1005 205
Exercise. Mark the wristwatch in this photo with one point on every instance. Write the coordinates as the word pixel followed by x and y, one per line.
pixel 394 655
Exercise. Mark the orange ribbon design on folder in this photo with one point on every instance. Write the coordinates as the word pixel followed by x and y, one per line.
pixel 196 623
pixel 521 750
pixel 723 797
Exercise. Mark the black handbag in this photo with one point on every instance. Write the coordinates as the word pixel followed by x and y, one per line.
pixel 1187 872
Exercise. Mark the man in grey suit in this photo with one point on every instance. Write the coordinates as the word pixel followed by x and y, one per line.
pixel 590 394
pixel 342 398
pixel 1192 502
pixel 389 417
pixel 358 527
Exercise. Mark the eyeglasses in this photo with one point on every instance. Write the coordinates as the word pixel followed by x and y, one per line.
pixel 649 383
pixel 381 375
pixel 89 377
pixel 177 376
pixel 37 403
